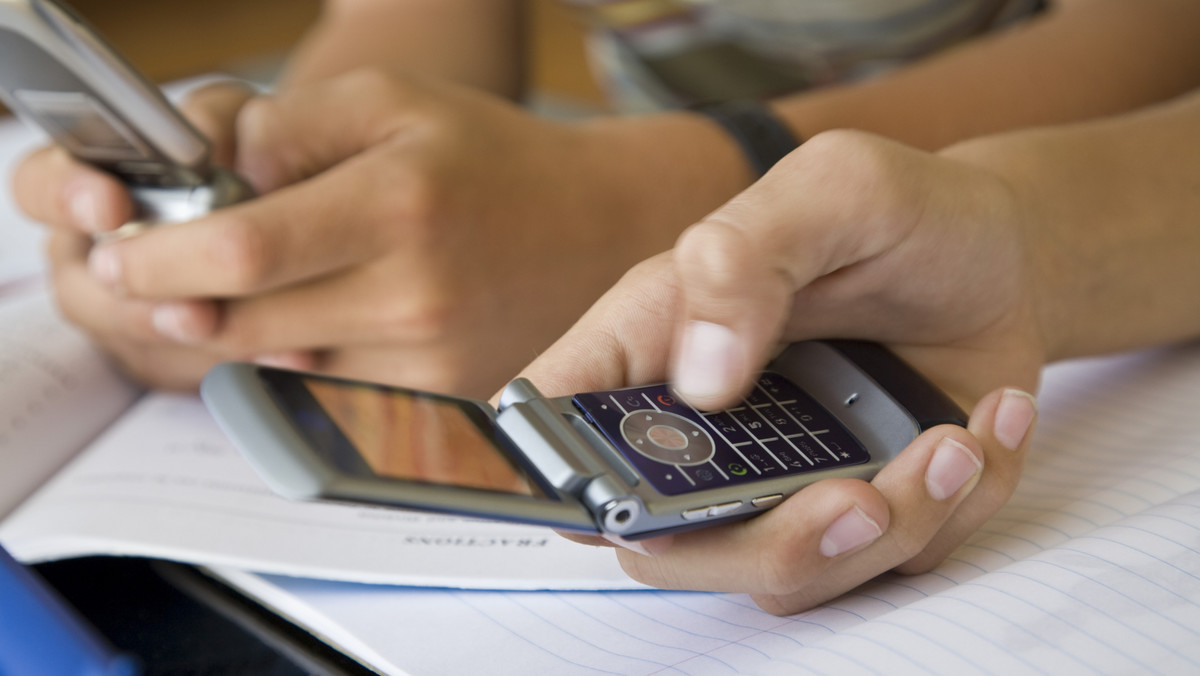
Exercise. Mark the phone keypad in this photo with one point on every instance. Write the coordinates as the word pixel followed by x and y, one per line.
pixel 776 430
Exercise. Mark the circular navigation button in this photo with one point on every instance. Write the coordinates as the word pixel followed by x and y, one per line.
pixel 667 437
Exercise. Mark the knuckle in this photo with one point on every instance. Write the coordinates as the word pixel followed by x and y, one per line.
pixel 907 547
pixel 259 111
pixel 199 109
pixel 841 146
pixel 715 252
pixel 856 163
pixel 778 568
pixel 259 125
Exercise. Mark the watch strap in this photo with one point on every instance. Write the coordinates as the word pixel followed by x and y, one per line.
pixel 763 138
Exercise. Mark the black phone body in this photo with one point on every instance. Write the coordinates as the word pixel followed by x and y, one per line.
pixel 635 462
pixel 58 74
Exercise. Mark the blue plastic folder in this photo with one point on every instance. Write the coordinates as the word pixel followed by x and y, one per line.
pixel 41 634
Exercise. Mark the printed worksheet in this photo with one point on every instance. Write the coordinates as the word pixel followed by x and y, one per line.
pixel 163 481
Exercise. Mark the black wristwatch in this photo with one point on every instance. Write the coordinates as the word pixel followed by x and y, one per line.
pixel 762 136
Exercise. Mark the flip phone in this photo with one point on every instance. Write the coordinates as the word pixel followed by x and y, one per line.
pixel 635 462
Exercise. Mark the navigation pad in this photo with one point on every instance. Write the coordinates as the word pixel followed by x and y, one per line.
pixel 778 429
pixel 667 437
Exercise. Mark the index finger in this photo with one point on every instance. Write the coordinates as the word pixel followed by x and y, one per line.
pixel 622 340
pixel 298 232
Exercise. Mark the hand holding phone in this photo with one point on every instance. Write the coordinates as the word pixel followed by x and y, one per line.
pixel 58 74
pixel 635 462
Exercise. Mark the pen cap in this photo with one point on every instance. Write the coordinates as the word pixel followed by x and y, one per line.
pixel 41 634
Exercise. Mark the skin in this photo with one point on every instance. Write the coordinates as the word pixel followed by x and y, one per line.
pixel 977 265
pixel 428 226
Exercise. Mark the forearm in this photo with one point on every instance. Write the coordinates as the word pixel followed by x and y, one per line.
pixel 1112 221
pixel 1082 59
pixel 471 42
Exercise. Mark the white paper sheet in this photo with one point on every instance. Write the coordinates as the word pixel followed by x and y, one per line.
pixel 57 392
pixel 165 482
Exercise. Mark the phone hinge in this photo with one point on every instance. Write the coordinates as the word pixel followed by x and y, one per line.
pixel 546 438
pixel 617 511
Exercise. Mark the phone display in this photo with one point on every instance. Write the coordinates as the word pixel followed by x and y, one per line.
pixel 369 430
pixel 83 125
pixel 634 461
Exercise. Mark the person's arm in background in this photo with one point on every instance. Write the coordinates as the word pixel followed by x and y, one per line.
pixel 474 43
pixel 1079 59
pixel 977 265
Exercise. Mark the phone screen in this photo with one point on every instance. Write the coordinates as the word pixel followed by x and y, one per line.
pixel 401 434
pixel 83 125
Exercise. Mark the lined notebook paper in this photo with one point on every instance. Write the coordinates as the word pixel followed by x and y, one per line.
pixel 1093 567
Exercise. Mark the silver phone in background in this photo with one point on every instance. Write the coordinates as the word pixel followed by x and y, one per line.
pixel 57 73
pixel 636 462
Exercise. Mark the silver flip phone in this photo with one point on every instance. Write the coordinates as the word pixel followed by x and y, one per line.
pixel 635 462
pixel 60 75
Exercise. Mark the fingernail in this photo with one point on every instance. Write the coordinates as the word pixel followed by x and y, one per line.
pixel 648 547
pixel 170 321
pixel 105 266
pixel 1014 417
pixel 850 531
pixel 951 466
pixel 707 358
pixel 85 209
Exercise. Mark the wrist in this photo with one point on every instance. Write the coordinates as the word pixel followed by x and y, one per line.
pixel 663 172
pixel 1049 275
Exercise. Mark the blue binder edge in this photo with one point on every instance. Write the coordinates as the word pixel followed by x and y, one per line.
pixel 41 634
